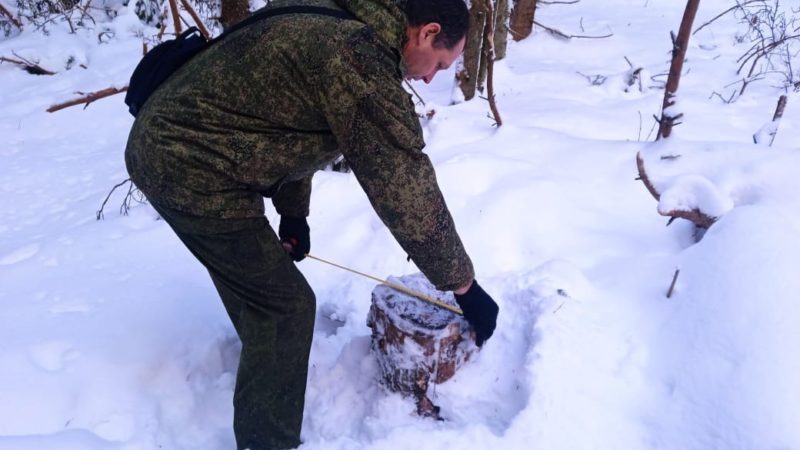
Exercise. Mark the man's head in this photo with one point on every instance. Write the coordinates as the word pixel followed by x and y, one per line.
pixel 435 36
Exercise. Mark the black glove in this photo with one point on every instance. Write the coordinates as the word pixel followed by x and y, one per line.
pixel 480 311
pixel 295 231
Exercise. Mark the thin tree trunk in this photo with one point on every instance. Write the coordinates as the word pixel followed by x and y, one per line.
pixel 522 16
pixel 233 12
pixel 200 26
pixel 679 47
pixel 468 76
pixel 484 50
pixel 488 57
pixel 501 29
pixel 176 17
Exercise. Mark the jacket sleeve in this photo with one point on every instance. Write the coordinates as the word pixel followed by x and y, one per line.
pixel 292 199
pixel 378 132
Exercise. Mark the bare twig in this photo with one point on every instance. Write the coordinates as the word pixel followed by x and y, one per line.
pixel 133 195
pixel 10 16
pixel 739 5
pixel 28 66
pixel 87 98
pixel 99 213
pixel 674 280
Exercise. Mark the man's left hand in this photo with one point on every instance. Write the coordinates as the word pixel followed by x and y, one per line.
pixel 295 237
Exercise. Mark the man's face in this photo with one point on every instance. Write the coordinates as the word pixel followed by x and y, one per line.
pixel 422 58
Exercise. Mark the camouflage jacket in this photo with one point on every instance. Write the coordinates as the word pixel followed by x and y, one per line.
pixel 259 112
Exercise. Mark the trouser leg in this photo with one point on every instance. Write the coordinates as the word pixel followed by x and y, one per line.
pixel 272 308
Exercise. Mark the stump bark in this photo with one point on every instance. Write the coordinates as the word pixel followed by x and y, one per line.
pixel 417 344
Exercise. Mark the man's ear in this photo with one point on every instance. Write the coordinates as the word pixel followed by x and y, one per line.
pixel 430 31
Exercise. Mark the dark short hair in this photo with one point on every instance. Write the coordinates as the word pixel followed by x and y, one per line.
pixel 452 15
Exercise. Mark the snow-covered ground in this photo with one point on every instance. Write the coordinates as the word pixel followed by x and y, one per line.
pixel 112 336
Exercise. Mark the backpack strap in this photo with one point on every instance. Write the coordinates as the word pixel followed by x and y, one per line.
pixel 266 14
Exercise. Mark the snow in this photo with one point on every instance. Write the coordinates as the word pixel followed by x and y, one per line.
pixel 112 336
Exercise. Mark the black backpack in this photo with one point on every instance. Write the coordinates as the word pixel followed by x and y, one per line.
pixel 165 58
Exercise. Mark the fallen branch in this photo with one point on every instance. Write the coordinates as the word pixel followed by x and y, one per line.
pixel 28 66
pixel 87 98
pixel 10 16
pixel 566 36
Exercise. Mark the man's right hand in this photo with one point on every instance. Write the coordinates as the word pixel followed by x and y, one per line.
pixel 479 310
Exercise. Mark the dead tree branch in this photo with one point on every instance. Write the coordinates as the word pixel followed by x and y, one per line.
pixel 679 47
pixel 28 66
pixel 10 16
pixel 87 98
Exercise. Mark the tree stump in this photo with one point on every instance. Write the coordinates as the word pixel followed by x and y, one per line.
pixel 417 344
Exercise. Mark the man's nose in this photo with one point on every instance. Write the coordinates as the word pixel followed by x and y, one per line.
pixel 428 78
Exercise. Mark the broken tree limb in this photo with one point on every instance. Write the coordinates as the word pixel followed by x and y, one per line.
pixel 28 66
pixel 10 16
pixel 88 98
pixel 679 47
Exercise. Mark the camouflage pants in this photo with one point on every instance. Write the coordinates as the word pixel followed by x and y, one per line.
pixel 272 308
